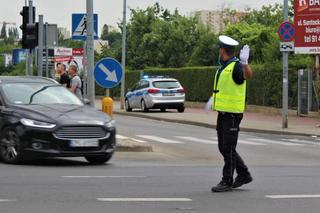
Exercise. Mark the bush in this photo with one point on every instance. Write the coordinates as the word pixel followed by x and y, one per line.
pixel 264 89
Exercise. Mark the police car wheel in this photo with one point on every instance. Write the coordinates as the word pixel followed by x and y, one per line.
pixel 128 108
pixel 181 109
pixel 143 106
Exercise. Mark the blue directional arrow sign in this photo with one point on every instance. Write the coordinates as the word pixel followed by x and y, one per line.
pixel 108 73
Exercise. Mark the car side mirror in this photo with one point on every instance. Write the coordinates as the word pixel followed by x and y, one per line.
pixel 86 101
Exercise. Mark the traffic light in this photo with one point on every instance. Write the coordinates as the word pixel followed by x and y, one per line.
pixel 29 31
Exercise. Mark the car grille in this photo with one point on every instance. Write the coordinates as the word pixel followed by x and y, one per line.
pixel 80 132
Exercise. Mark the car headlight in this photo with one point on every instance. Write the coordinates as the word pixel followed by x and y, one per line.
pixel 111 124
pixel 39 124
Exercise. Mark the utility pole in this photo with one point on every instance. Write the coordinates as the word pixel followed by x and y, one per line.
pixel 30 56
pixel 90 52
pixel 40 46
pixel 46 47
pixel 285 81
pixel 123 60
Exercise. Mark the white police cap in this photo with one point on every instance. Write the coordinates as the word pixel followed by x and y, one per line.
pixel 227 42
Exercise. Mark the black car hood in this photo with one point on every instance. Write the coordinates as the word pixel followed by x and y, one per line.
pixel 64 114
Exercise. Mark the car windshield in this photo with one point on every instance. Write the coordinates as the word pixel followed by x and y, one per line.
pixel 166 84
pixel 39 93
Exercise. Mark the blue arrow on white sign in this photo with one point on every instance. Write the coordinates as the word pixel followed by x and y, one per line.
pixel 108 73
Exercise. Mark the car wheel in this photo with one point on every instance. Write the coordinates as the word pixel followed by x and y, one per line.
pixel 181 109
pixel 127 105
pixel 10 146
pixel 163 109
pixel 143 106
pixel 99 159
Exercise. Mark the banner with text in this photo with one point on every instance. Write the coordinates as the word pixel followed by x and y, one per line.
pixel 307 26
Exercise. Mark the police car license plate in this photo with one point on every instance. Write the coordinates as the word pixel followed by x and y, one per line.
pixel 84 143
pixel 167 94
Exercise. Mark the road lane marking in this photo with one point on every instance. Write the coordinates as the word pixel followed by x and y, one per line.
pixel 158 139
pixel 8 200
pixel 121 137
pixel 193 139
pixel 139 141
pixel 103 176
pixel 291 196
pixel 245 142
pixel 251 143
pixel 300 141
pixel 144 199
pixel 274 142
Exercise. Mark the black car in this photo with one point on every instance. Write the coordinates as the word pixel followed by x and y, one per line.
pixel 39 118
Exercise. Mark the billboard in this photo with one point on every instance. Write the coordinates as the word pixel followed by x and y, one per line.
pixel 307 26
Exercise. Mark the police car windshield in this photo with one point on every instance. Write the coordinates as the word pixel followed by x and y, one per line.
pixel 166 84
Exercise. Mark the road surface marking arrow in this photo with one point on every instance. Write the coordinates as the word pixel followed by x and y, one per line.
pixel 111 75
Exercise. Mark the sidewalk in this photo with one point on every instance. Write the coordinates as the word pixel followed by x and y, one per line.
pixel 252 121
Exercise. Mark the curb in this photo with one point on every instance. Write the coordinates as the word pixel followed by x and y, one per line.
pixel 128 145
pixel 201 124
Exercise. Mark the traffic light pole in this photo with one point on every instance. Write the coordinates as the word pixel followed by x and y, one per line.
pixel 90 52
pixel 30 56
pixel 40 46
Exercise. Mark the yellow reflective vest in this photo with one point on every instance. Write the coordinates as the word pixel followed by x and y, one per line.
pixel 228 96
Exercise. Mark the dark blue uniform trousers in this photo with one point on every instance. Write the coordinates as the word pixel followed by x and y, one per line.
pixel 228 131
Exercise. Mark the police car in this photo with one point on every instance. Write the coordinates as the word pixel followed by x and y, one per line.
pixel 156 92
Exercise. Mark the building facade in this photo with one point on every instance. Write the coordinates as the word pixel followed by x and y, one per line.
pixel 216 20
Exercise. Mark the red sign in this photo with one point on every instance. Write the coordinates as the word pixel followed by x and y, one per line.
pixel 307 26
pixel 77 51
pixel 63 59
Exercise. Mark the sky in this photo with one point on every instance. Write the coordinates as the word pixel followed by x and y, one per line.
pixel 110 11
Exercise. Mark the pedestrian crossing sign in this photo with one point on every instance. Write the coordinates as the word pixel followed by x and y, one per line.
pixel 79 26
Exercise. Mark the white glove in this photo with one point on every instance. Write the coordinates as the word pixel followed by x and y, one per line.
pixel 244 54
pixel 208 106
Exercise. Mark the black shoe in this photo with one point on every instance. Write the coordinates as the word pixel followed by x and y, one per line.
pixel 240 180
pixel 223 186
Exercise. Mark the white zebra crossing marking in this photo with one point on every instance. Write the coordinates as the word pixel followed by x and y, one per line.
pixel 301 141
pixel 278 143
pixel 121 137
pixel 158 139
pixel 251 143
pixel 196 140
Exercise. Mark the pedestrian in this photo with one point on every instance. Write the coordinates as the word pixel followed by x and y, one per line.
pixel 58 71
pixel 75 82
pixel 229 95
pixel 64 77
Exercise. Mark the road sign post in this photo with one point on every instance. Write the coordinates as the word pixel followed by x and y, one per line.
pixel 90 52
pixel 123 60
pixel 285 74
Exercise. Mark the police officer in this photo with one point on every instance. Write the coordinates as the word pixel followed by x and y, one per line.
pixel 229 95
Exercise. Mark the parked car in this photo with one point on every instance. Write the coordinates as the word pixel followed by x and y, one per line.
pixel 156 93
pixel 39 118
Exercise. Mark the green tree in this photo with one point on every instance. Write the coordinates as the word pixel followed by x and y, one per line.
pixel 105 32
pixel 3 32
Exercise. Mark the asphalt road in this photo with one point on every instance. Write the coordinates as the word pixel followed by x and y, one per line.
pixel 176 177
